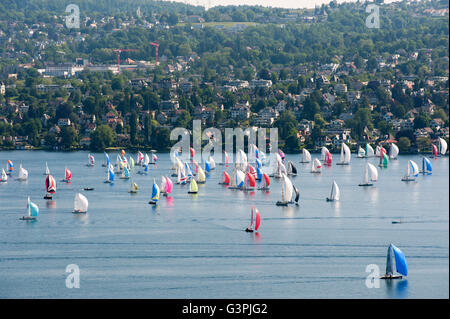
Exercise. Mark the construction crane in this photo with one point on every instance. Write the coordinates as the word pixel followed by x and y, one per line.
pixel 118 51
pixel 156 47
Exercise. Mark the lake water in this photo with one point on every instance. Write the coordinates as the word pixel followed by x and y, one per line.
pixel 194 246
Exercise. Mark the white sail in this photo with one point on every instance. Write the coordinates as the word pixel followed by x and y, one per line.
pixel 324 152
pixel 366 175
pixel 373 172
pixel 287 189
pixel 378 150
pixel 241 160
pixel 361 152
pixel 23 173
pixel 306 156
pixel 345 153
pixel 146 159
pixel 212 163
pixel 283 169
pixel 316 166
pixel 240 177
pixel 4 176
pixel 369 151
pixel 335 191
pixel 393 151
pixel 80 203
pixel 442 146
pixel 233 178
pixel 414 168
pixel 162 186
pixel 47 170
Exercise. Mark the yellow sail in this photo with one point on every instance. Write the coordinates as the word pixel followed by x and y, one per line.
pixel 201 175
pixel 193 188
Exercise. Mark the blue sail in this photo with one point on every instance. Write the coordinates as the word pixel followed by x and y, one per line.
pixel 400 261
pixel 34 209
pixel 427 168
pixel 155 192
pixel 241 184
pixel 259 173
pixel 126 172
pixel 111 175
pixel 257 154
pixel 146 168
pixel 207 167
pixel 258 163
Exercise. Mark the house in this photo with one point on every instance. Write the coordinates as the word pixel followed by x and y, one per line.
pixel 266 117
pixel 2 88
pixel 240 111
pixel 169 105
pixel 64 122
pixel 260 83
pixel 340 88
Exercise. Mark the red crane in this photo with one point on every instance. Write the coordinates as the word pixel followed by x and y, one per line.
pixel 156 47
pixel 118 51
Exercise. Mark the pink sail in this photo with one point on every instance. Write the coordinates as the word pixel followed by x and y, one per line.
pixel 68 176
pixel 435 150
pixel 192 152
pixel 155 158
pixel 328 158
pixel 169 185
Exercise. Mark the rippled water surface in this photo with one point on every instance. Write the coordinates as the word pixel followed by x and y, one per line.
pixel 194 246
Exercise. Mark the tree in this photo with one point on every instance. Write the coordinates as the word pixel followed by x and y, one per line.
pixel 133 127
pixel 69 137
pixel 102 138
pixel 404 144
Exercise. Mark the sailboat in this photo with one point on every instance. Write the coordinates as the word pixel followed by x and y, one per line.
pixel 207 166
pixel 23 174
pixel 412 172
pixel 282 155
pixel 155 194
pixel 434 150
pixel 287 191
pixel 393 151
pixel 226 179
pixel 323 152
pixel 193 188
pixel 370 175
pixel 91 160
pixel 395 264
pixel 241 160
pixel 3 177
pixel 125 173
pixel 50 186
pixel 140 158
pixel 131 163
pixel 107 160
pixel 154 158
pixel 335 193
pixel 254 216
pixel 345 155
pixel 237 179
pixel 328 158
pixel 181 175
pixel 146 160
pixel 201 177
pixel 212 162
pixel 278 168
pixel 110 175
pixel 292 170
pixel 265 181
pixel 297 195
pixel 384 160
pixel 133 188
pixel 32 211
pixel 249 182
pixel 306 156
pixel 369 151
pixel 169 186
pixel 9 167
pixel 426 166
pixel 316 166
pixel 67 175
pixel 80 204
pixel 361 152
pixel 47 170
pixel 442 146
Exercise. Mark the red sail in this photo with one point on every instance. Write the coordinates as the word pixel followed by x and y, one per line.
pixel 68 175
pixel 226 178
pixel 258 219
pixel 50 184
pixel 192 152
pixel 435 150
pixel 266 179
pixel 251 180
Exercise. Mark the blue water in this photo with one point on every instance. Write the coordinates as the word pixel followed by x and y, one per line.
pixel 194 246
